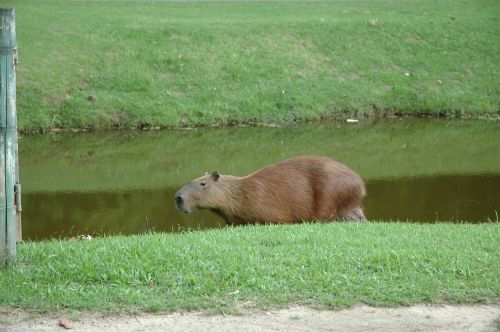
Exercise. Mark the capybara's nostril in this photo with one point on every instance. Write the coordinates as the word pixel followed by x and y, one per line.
pixel 178 199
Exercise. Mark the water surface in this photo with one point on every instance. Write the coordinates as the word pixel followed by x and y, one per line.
pixel 123 182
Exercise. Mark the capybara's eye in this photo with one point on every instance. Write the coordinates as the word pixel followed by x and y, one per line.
pixel 203 184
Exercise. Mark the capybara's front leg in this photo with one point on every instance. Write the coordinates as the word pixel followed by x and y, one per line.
pixel 352 214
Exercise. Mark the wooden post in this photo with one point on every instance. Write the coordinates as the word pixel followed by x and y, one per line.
pixel 8 135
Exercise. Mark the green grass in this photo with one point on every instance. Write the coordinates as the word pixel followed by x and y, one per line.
pixel 320 265
pixel 176 64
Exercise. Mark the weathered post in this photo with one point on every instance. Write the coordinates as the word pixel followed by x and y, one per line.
pixel 8 135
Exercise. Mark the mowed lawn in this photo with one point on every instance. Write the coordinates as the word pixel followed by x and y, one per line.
pixel 103 64
pixel 321 265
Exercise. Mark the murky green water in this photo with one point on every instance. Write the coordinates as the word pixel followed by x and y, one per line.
pixel 123 182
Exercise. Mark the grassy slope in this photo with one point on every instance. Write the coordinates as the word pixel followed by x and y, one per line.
pixel 331 265
pixel 197 63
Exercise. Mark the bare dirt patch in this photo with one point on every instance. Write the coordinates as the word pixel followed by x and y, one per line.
pixel 359 318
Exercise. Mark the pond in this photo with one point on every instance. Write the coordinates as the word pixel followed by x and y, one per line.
pixel 421 170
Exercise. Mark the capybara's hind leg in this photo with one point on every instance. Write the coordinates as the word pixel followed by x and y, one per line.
pixel 352 214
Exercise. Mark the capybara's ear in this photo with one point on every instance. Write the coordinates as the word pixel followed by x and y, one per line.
pixel 215 175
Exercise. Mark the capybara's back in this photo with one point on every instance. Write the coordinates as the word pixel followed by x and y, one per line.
pixel 298 189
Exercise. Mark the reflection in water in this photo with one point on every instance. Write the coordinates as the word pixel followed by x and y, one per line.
pixel 107 213
pixel 123 182
pixel 135 160
pixel 427 199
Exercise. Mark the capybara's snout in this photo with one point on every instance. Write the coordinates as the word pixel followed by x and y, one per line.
pixel 179 202
pixel 178 198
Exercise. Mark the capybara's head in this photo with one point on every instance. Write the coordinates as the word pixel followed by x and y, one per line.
pixel 200 193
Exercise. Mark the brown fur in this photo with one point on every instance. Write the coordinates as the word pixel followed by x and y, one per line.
pixel 298 189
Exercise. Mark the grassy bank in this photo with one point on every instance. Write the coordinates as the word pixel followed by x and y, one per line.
pixel 104 64
pixel 332 265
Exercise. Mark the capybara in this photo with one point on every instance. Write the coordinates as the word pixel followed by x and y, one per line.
pixel 298 189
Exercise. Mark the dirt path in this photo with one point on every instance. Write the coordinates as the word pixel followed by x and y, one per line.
pixel 360 318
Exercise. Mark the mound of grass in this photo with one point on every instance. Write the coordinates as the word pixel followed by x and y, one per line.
pixel 321 265
pixel 108 64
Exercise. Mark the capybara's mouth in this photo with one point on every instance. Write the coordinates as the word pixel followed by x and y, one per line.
pixel 182 208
